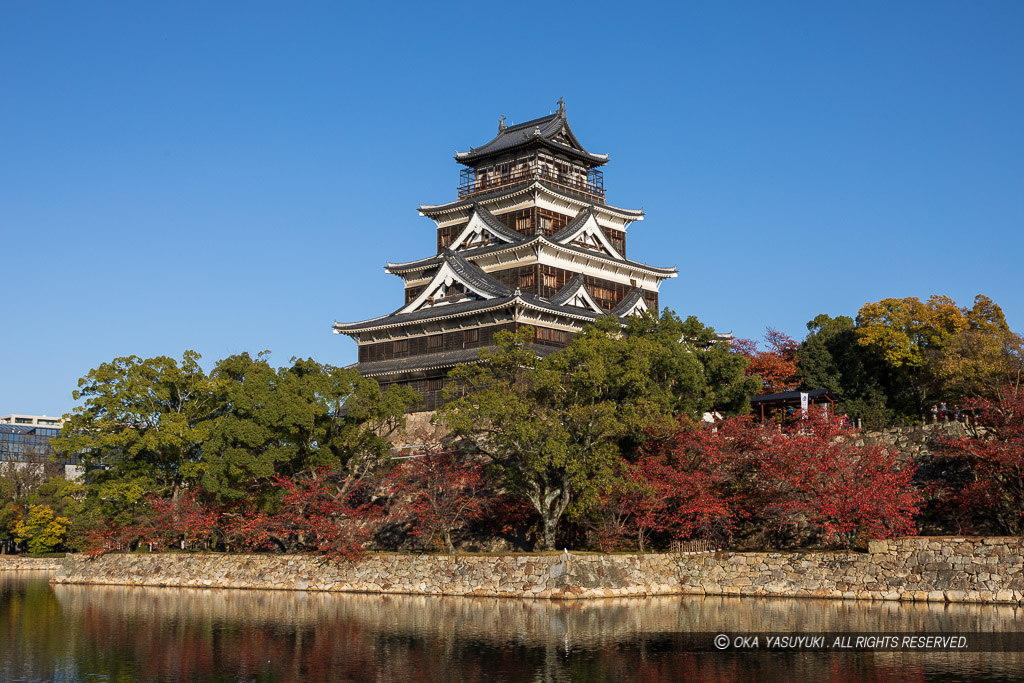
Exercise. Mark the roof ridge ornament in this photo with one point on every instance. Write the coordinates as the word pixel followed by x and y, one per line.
pixel 501 124
pixel 561 105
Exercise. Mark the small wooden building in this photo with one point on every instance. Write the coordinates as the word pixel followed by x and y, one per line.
pixel 766 404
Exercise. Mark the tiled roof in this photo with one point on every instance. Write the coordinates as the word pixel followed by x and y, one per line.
pixel 473 276
pixel 430 313
pixel 632 297
pixel 521 188
pixel 431 261
pixel 543 130
pixel 463 308
pixel 496 226
pixel 573 225
pixel 566 292
pixel 790 396
pixel 467 308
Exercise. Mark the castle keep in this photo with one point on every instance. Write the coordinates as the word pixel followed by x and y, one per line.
pixel 530 240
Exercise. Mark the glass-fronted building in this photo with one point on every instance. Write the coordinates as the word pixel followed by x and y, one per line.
pixel 31 444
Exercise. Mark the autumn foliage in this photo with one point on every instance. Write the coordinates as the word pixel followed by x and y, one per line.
pixel 991 497
pixel 437 495
pixel 315 513
pixel 739 476
pixel 776 365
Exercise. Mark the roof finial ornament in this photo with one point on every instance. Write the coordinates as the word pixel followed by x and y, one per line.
pixel 561 105
pixel 501 124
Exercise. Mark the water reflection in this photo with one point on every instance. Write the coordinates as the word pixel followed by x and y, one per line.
pixel 118 633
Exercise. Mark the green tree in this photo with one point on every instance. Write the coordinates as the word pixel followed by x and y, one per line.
pixel 145 420
pixel 831 358
pixel 686 367
pixel 550 434
pixel 292 420
pixel 160 427
pixel 557 427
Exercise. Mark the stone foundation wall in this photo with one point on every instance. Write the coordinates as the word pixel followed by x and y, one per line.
pixel 21 563
pixel 989 570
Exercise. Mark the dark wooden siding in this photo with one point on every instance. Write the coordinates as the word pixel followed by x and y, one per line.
pixel 413 292
pixel 418 346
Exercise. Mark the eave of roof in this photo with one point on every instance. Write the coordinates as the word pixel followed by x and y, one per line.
pixel 469 254
pixel 473 276
pixel 441 312
pixel 565 293
pixel 790 395
pixel 631 299
pixel 496 226
pixel 537 131
pixel 573 225
pixel 510 191
pixel 476 307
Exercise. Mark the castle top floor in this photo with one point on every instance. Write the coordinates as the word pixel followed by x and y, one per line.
pixel 541 149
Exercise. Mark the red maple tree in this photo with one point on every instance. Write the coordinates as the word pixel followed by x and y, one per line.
pixel 438 494
pixel 715 481
pixel 776 365
pixel 991 455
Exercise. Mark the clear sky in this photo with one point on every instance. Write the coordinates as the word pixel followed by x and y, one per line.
pixel 231 177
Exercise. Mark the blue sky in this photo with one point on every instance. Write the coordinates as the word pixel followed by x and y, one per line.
pixel 232 177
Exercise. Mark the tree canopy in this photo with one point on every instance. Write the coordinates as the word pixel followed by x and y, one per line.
pixel 556 426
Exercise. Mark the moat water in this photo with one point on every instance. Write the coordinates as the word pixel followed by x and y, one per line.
pixel 113 633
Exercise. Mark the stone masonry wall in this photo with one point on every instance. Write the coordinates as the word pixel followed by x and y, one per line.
pixel 21 563
pixel 947 569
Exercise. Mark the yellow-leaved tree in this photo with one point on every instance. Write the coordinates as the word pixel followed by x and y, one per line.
pixel 41 529
pixel 938 349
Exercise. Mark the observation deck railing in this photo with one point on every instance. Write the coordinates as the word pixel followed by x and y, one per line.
pixel 589 185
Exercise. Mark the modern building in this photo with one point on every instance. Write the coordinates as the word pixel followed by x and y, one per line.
pixel 29 445
pixel 530 240
pixel 37 420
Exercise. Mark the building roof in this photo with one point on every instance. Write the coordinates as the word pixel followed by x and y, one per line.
pixel 551 131
pixel 473 276
pixel 565 293
pixel 574 225
pixel 791 396
pixel 433 210
pixel 469 254
pixel 470 308
pixel 631 299
pixel 496 226
pixel 397 319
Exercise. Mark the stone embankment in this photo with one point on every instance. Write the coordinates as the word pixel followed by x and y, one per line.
pixel 22 563
pixel 946 569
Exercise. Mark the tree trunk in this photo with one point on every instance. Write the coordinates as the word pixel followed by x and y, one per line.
pixel 550 504
pixel 447 538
